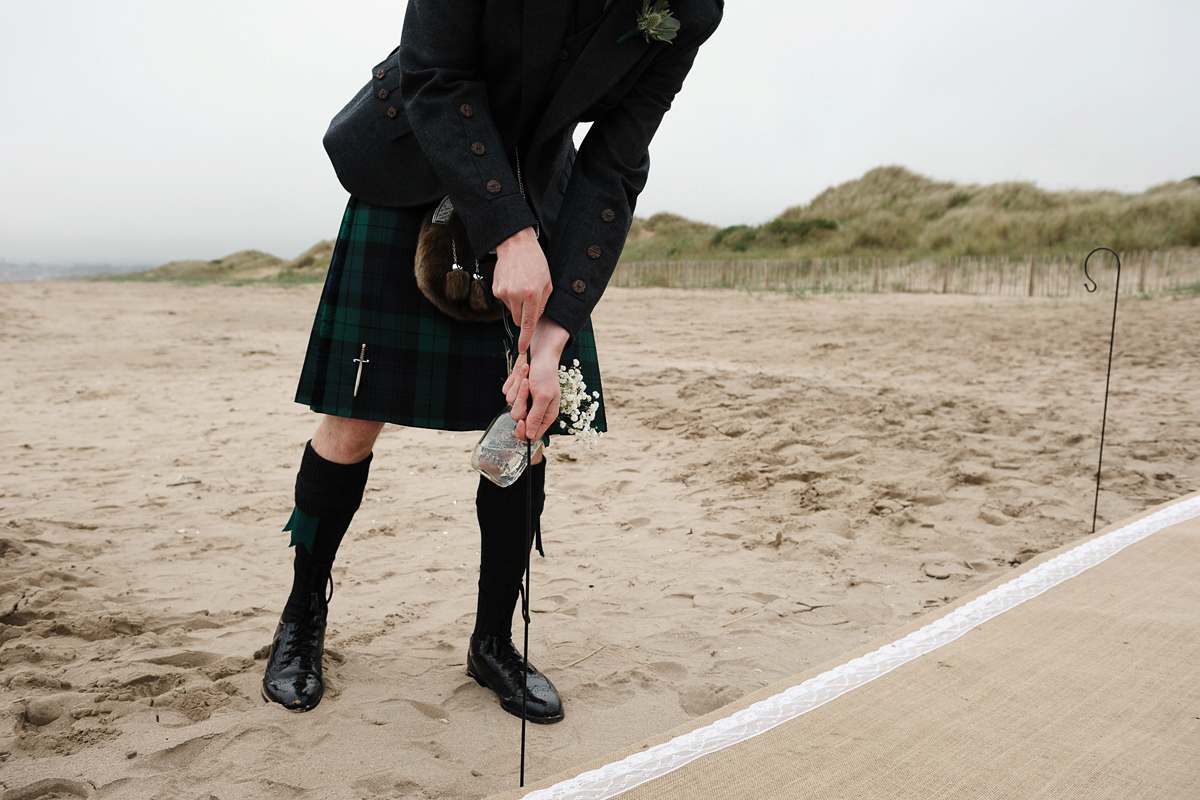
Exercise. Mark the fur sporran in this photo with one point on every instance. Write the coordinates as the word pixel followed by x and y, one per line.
pixel 449 274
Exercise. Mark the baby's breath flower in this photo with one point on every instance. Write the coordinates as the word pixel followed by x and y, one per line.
pixel 576 405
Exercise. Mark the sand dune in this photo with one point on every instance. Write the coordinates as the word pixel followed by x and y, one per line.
pixel 785 480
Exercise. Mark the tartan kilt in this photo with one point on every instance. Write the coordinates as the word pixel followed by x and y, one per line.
pixel 422 369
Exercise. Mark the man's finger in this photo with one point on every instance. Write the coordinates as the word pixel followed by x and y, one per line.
pixel 510 396
pixel 535 420
pixel 513 382
pixel 529 318
pixel 521 404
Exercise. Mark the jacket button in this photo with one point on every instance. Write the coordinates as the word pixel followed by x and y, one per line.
pixel 382 94
pixel 564 54
pixel 578 287
pixel 594 251
pixel 379 73
pixel 391 112
pixel 493 187
pixel 466 110
pixel 608 215
pixel 477 148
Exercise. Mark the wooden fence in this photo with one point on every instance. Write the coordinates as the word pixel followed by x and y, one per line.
pixel 1028 276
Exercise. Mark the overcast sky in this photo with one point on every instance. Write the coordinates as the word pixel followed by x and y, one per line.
pixel 141 131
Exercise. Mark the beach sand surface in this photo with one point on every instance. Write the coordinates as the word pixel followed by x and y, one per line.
pixel 785 480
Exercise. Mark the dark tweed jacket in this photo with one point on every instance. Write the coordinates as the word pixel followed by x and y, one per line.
pixel 449 111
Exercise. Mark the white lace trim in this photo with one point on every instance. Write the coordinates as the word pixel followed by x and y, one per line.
pixel 621 776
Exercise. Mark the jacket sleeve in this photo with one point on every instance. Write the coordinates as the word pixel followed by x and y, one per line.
pixel 609 173
pixel 446 100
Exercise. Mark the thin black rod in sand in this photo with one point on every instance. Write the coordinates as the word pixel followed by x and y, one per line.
pixel 1090 285
pixel 525 594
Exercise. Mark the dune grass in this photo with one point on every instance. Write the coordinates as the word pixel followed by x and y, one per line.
pixel 893 212
pixel 244 266
pixel 890 230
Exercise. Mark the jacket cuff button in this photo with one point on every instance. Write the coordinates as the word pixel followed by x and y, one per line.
pixel 477 148
pixel 391 112
pixel 382 94
pixel 608 215
pixel 493 187
pixel 578 287
pixel 594 251
pixel 466 110
pixel 379 73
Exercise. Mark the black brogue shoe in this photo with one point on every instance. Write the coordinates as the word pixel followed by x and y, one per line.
pixel 495 663
pixel 293 676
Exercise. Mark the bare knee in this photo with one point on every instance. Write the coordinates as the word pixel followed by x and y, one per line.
pixel 345 441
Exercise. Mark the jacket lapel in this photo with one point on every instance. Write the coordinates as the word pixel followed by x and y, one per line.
pixel 602 63
pixel 544 25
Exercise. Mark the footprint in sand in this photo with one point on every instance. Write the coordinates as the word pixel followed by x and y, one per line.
pixel 146 685
pixel 185 658
pixel 195 703
pixel 386 784
pixel 433 712
pixel 942 566
pixel 49 788
pixel 669 670
pixel 699 700
pixel 41 711
pixel 733 428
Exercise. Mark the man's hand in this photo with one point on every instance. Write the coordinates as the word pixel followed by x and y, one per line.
pixel 533 389
pixel 522 281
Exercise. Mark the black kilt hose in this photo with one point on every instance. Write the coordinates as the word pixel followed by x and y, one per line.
pixel 422 368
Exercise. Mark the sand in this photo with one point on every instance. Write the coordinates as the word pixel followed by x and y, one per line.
pixel 785 480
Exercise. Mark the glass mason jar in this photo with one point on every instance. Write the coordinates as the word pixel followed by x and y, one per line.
pixel 500 456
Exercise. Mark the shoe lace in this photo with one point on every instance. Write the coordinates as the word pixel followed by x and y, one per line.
pixel 303 645
pixel 307 641
pixel 510 657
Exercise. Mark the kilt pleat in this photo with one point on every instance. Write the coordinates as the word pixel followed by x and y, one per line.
pixel 421 368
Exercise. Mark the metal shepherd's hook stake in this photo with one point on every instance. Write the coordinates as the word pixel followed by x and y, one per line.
pixel 528 563
pixel 1090 285
pixel 532 535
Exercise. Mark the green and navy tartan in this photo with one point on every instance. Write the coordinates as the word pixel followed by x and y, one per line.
pixel 423 369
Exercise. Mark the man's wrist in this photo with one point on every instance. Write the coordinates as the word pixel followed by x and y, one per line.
pixel 551 334
pixel 523 236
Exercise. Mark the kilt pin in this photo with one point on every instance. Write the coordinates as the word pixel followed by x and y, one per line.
pixel 424 369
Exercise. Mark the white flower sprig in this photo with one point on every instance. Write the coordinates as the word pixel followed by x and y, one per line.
pixel 577 406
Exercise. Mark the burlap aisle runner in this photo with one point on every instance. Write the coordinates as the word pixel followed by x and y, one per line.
pixel 1078 677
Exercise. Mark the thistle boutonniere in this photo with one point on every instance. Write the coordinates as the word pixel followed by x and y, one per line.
pixel 655 22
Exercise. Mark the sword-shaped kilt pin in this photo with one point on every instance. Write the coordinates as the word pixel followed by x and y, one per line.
pixel 362 359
